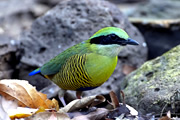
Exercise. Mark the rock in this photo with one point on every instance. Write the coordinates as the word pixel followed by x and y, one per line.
pixel 8 58
pixel 127 1
pixel 71 22
pixel 158 21
pixel 13 20
pixel 154 9
pixel 155 85
pixel 163 32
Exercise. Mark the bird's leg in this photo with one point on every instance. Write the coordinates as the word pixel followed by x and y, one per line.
pixel 79 94
pixel 61 96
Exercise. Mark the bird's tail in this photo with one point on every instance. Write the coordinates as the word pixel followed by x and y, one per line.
pixel 34 72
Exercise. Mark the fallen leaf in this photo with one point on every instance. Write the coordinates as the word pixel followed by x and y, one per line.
pixel 167 117
pixel 128 69
pixel 21 112
pixel 41 109
pixel 55 104
pixel 114 99
pixel 19 116
pixel 98 114
pixel 133 112
pixel 120 109
pixel 9 110
pixel 25 94
pixel 82 103
pixel 47 115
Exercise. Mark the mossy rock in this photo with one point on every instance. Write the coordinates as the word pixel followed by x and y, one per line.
pixel 155 86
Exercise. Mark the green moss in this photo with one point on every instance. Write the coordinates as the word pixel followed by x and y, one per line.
pixel 162 73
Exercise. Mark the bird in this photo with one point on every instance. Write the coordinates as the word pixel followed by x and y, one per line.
pixel 88 64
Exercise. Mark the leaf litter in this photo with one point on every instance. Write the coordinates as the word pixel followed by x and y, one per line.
pixel 34 105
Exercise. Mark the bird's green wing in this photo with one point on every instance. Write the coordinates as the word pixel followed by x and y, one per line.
pixel 55 64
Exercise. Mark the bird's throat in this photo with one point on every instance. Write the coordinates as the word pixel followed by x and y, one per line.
pixel 108 50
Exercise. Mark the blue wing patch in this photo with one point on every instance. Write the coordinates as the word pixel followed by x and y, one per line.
pixel 34 72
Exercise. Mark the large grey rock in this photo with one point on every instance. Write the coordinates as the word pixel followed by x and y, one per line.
pixel 71 22
pixel 155 85
pixel 8 58
pixel 16 16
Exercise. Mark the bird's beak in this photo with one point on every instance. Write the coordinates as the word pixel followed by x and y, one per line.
pixel 131 42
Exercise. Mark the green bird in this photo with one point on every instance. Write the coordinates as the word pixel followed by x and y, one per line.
pixel 88 64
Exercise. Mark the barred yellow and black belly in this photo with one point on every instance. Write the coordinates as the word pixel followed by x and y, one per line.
pixel 73 74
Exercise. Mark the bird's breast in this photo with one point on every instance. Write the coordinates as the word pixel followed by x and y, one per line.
pixel 100 68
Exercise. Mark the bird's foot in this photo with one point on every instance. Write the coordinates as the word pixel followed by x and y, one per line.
pixel 79 94
pixel 61 96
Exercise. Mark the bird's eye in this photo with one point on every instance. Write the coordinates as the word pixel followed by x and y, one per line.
pixel 113 37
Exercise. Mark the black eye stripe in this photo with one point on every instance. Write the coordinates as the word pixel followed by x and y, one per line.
pixel 105 40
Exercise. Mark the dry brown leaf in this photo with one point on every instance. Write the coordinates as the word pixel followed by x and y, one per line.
pixel 120 109
pixel 25 94
pixel 81 103
pixel 40 109
pixel 98 114
pixel 167 117
pixel 55 104
pixel 128 69
pixel 49 116
pixel 114 99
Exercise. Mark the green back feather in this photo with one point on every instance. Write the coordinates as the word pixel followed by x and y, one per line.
pixel 55 64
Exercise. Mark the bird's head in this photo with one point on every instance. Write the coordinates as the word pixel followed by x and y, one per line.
pixel 112 35
pixel 109 40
